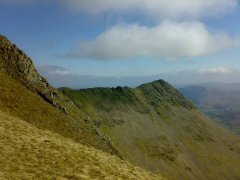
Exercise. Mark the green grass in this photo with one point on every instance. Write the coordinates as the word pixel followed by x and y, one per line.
pixel 156 128
pixel 106 99
pixel 152 126
pixel 17 100
pixel 30 153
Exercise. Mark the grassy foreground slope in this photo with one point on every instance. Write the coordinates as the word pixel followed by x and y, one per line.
pixel 30 153
pixel 17 100
pixel 155 127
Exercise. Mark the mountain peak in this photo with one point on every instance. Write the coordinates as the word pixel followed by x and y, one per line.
pixel 3 39
pixel 19 66
pixel 159 92
pixel 156 82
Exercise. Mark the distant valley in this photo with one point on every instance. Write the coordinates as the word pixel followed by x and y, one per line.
pixel 220 101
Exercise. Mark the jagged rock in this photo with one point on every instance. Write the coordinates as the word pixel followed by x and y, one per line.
pixel 53 94
pixel 64 110
pixel 48 98
pixel 19 66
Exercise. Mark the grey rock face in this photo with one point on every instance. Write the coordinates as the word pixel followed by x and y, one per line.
pixel 19 66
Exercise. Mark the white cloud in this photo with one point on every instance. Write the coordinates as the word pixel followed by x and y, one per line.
pixel 167 40
pixel 60 77
pixel 217 70
pixel 162 8
pixel 50 70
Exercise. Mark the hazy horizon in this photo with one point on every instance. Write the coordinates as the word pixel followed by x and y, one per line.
pixel 61 77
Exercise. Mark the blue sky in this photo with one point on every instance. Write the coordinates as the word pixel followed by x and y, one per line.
pixel 114 41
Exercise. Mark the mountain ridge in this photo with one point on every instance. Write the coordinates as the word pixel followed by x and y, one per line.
pixel 152 126
pixel 156 128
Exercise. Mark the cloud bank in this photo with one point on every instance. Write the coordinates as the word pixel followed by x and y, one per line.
pixel 217 70
pixel 58 78
pixel 169 39
pixel 53 70
pixel 61 77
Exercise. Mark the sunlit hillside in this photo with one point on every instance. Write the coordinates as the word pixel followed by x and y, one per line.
pixel 30 153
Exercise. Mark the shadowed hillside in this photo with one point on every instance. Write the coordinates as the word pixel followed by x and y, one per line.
pixel 155 127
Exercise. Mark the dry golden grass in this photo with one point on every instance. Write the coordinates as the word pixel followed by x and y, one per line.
pixel 30 153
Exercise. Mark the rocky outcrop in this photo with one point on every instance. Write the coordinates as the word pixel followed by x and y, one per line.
pixel 18 65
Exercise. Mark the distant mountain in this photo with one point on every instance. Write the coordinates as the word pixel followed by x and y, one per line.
pixel 217 85
pixel 50 133
pixel 218 100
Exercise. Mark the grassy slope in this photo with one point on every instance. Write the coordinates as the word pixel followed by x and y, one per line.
pixel 156 128
pixel 30 153
pixel 17 100
pixel 26 94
